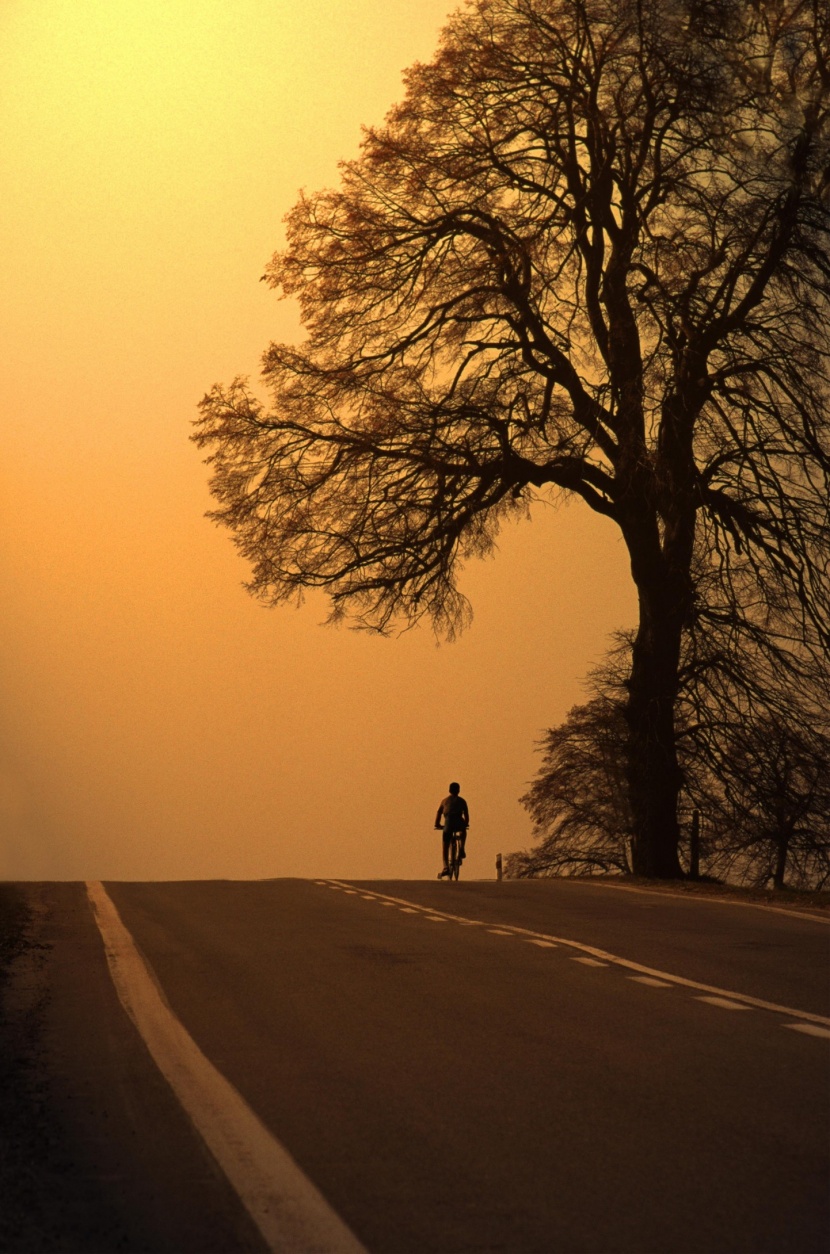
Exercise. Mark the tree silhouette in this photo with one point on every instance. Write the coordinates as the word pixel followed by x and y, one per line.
pixel 579 801
pixel 773 806
pixel 587 254
pixel 753 736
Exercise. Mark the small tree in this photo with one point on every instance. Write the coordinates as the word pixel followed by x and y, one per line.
pixel 579 800
pixel 773 805
pixel 587 254
pixel 754 748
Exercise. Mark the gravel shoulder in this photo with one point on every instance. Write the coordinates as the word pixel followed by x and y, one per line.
pixel 31 1169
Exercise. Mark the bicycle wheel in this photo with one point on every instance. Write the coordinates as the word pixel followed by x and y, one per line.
pixel 455 858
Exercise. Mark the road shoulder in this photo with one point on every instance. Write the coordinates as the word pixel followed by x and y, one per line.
pixel 814 906
pixel 96 1152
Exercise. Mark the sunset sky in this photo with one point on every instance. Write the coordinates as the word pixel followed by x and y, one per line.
pixel 156 722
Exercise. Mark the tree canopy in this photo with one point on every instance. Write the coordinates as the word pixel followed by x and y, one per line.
pixel 586 254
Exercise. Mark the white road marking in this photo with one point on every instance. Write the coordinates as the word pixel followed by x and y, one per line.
pixel 809 1029
pixel 646 979
pixel 498 931
pixel 435 918
pixel 678 980
pixel 408 910
pixel 704 899
pixel 388 903
pixel 590 962
pixel 288 1209
pixel 725 1003
pixel 541 944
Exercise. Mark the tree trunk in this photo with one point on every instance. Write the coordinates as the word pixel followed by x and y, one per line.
pixel 658 523
pixel 654 776
pixel 781 859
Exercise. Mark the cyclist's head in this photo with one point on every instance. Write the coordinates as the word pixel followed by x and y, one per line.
pixel 455 788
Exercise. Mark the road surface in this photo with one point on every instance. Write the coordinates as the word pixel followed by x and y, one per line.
pixel 525 1066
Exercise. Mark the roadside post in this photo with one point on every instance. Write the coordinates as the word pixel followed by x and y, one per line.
pixel 694 846
pixel 498 867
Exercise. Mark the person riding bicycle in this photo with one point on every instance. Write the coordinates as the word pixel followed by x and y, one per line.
pixel 453 810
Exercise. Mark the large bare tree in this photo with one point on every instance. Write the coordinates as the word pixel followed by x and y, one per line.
pixel 587 254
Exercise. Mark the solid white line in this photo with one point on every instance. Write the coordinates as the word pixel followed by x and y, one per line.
pixel 713 900
pixel 288 1209
pixel 628 965
pixel 725 1003
pixel 809 1029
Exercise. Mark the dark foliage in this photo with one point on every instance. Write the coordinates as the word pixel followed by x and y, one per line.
pixel 754 748
pixel 579 799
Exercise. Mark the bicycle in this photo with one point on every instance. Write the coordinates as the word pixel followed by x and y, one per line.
pixel 454 858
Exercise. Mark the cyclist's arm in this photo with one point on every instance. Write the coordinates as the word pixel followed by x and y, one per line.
pixel 439 815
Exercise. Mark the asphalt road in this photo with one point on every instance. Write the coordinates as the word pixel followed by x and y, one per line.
pixel 449 1086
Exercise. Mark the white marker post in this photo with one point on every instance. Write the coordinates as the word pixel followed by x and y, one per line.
pixel 498 867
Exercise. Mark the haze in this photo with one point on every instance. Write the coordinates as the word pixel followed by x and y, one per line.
pixel 155 722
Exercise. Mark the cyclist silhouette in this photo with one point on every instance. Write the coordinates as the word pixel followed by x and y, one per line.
pixel 453 810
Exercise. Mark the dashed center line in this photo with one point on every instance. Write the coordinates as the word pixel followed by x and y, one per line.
pixel 724 1003
pixel 809 1029
pixel 725 999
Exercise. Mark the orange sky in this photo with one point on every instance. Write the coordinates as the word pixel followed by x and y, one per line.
pixel 155 722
